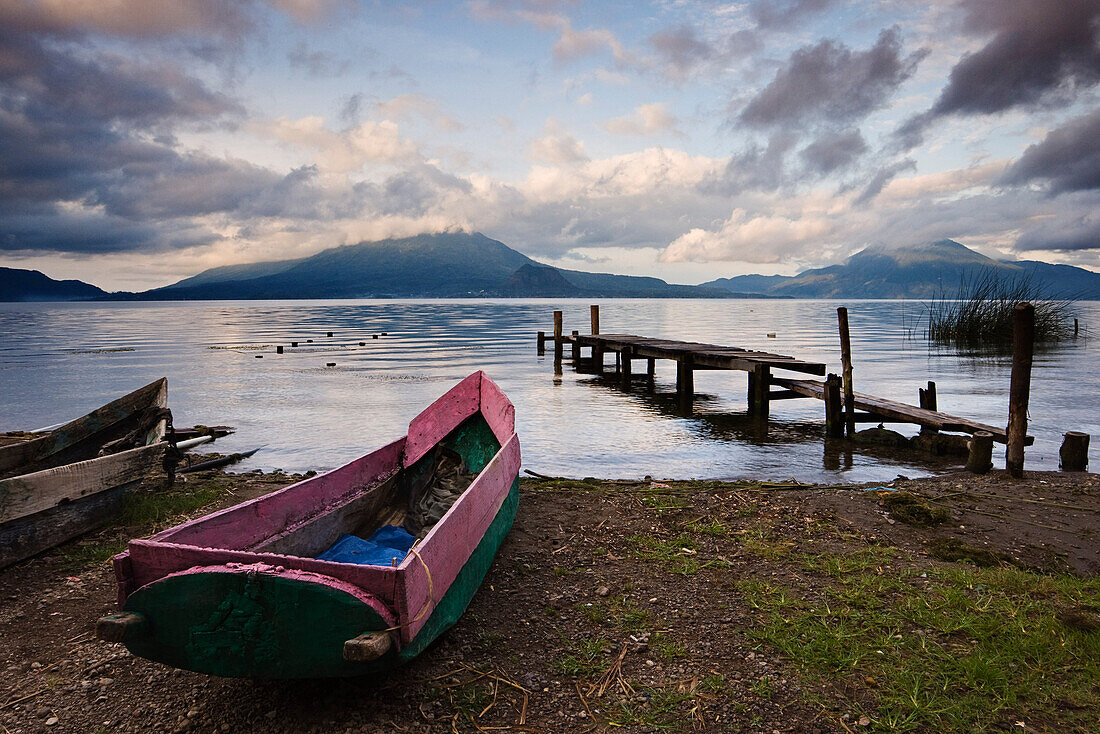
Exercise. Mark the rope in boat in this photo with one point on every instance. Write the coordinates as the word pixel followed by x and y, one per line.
pixel 431 593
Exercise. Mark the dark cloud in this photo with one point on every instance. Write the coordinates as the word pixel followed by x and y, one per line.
pixel 681 50
pixel 413 192
pixel 828 82
pixel 91 233
pixel 318 63
pixel 884 176
pixel 782 14
pixel 1068 158
pixel 833 151
pixel 1065 234
pixel 1038 48
pixel 760 168
pixel 89 160
pixel 1040 53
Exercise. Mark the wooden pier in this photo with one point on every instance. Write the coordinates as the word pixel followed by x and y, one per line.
pixel 843 406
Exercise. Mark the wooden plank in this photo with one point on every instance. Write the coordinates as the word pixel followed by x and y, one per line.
pixel 895 411
pixel 30 493
pixel 442 417
pixel 426 575
pixel 498 410
pixel 28 536
pixel 151 560
pixel 244 526
pixel 703 355
pixel 80 438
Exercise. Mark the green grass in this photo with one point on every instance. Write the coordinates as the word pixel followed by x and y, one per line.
pixel 583 659
pixel 960 650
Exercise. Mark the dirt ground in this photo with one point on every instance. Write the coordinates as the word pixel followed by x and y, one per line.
pixel 610 607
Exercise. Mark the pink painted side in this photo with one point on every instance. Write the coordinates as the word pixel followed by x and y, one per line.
pixel 385 612
pixel 243 526
pixel 442 417
pixel 152 560
pixel 450 542
pixel 498 410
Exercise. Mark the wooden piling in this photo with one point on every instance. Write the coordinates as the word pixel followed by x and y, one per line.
pixel 846 365
pixel 294 344
pixel 980 459
pixel 1076 328
pixel 597 352
pixel 1023 343
pixel 651 367
pixel 279 349
pixel 762 385
pixel 1074 453
pixel 685 380
pixel 329 333
pixel 624 375
pixel 540 343
pixel 557 336
pixel 575 349
pixel 834 414
pixel 927 400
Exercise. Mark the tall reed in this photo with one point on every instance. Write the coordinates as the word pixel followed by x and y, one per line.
pixel 981 312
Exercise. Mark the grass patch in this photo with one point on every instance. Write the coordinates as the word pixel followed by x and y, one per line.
pixel 954 550
pixel 678 554
pixel 913 510
pixel 714 528
pixel 583 659
pixel 667 649
pixel 960 650
pixel 981 314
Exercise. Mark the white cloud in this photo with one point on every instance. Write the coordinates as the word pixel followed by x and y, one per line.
pixel 749 237
pixel 557 147
pixel 647 119
pixel 345 150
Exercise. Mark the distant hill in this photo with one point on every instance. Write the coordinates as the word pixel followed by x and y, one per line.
pixel 31 285
pixel 922 271
pixel 445 265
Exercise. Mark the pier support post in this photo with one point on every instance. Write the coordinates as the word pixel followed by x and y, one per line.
pixel 540 343
pixel 928 402
pixel 557 336
pixel 1019 391
pixel 834 415
pixel 624 375
pixel 651 367
pixel 980 459
pixel 575 349
pixel 597 351
pixel 685 381
pixel 761 388
pixel 1074 453
pixel 846 364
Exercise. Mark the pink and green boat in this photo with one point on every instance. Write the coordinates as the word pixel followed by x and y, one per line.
pixel 285 586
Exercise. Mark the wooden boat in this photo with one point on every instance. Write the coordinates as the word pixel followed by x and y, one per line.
pixel 58 486
pixel 242 592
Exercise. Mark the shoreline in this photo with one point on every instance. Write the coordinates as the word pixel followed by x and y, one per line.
pixel 635 605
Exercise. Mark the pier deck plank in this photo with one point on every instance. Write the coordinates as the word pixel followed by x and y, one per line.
pixel 713 356
pixel 893 410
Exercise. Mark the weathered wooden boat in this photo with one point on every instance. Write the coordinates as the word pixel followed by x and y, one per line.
pixel 66 482
pixel 251 591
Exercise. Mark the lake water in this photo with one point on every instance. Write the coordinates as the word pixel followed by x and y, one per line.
pixel 59 360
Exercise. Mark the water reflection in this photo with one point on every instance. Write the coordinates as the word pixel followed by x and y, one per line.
pixel 60 360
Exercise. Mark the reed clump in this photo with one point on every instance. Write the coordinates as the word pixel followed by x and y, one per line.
pixel 981 313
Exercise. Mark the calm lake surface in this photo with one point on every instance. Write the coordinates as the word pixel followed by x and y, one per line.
pixel 59 360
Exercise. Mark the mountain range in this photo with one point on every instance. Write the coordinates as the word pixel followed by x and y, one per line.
pixel 938 269
pixel 450 265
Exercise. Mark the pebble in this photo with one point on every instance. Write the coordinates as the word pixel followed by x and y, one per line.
pixel 603 591
pixel 52 721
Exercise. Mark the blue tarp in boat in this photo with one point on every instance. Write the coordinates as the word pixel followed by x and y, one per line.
pixel 387 544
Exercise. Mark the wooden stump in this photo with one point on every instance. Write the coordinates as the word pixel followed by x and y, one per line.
pixel 846 365
pixel 980 459
pixel 685 381
pixel 1075 451
pixel 834 414
pixel 575 349
pixel 557 336
pixel 762 385
pixel 928 402
pixel 540 343
pixel 1023 342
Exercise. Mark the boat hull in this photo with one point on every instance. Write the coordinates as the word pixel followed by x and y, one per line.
pixel 243 593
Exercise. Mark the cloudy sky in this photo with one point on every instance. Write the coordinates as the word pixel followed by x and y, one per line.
pixel 144 140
